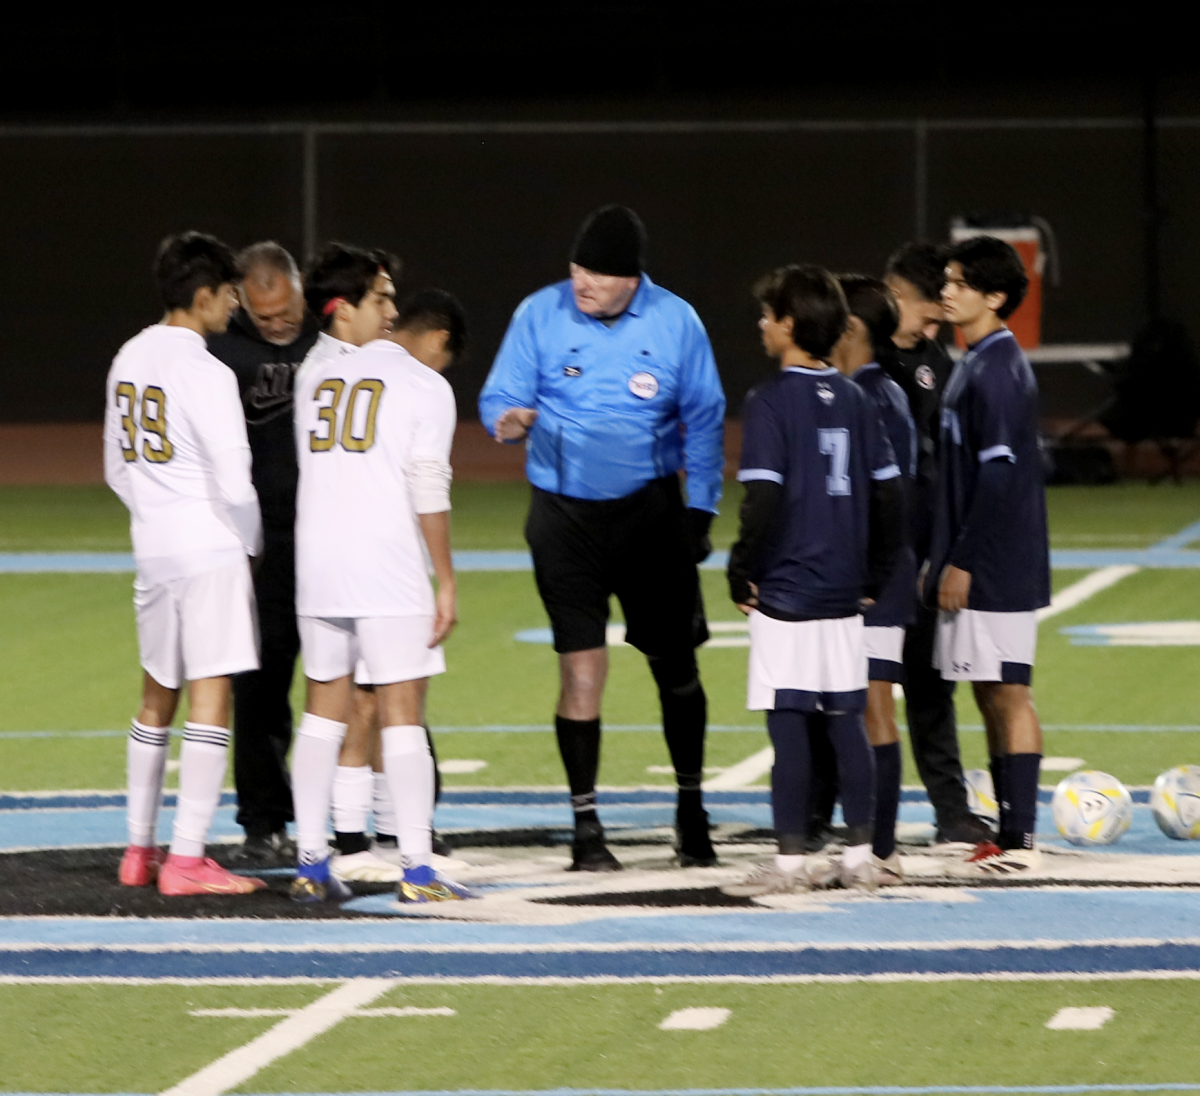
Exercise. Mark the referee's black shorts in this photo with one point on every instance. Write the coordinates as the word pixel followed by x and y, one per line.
pixel 635 547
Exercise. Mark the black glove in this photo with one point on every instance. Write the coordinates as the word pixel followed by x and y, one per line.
pixel 697 525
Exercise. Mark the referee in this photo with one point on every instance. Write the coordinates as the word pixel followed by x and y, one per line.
pixel 612 380
pixel 266 341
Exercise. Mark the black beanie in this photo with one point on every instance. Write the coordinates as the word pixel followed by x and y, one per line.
pixel 611 241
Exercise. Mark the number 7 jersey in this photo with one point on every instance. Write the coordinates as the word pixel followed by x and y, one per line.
pixel 372 426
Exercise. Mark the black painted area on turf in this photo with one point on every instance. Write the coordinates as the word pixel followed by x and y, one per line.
pixel 83 883
pixel 680 897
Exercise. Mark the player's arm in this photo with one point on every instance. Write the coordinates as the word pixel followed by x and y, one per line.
pixel 887 513
pixel 702 412
pixel 763 464
pixel 116 444
pixel 429 474
pixel 220 427
pixel 508 400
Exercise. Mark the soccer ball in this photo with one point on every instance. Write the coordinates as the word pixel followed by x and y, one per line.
pixel 981 795
pixel 1091 808
pixel 1175 802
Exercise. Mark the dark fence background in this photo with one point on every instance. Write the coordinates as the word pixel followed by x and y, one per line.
pixel 488 211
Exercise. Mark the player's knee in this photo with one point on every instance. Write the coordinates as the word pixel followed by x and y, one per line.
pixel 405 741
pixel 676 675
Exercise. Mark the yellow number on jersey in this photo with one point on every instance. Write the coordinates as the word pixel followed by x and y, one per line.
pixel 349 441
pixel 126 392
pixel 156 423
pixel 317 442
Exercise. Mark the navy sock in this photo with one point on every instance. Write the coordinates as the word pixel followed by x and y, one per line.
pixel 1021 789
pixel 996 767
pixel 791 778
pixel 824 775
pixel 685 715
pixel 856 773
pixel 887 798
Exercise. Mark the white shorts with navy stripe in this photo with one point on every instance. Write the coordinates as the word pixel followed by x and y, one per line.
pixel 806 665
pixel 885 653
pixel 973 645
pixel 200 626
pixel 377 650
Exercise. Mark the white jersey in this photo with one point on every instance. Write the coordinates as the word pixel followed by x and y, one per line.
pixel 373 434
pixel 176 453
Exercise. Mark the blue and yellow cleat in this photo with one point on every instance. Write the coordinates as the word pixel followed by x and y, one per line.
pixel 316 883
pixel 423 884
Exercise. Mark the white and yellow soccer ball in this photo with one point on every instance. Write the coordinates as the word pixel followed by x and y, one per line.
pixel 1092 808
pixel 981 795
pixel 1175 802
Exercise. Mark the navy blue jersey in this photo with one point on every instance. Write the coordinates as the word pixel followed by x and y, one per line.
pixel 897 601
pixel 990 412
pixel 819 435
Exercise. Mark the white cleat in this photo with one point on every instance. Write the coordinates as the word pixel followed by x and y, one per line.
pixel 770 879
pixel 863 877
pixel 889 872
pixel 822 872
pixel 990 862
pixel 365 867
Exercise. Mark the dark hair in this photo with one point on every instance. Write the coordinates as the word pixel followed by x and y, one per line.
pixel 923 266
pixel 189 262
pixel 434 310
pixel 813 299
pixel 990 265
pixel 339 270
pixel 267 258
pixel 873 303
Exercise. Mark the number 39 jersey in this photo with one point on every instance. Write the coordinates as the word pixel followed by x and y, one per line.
pixel 372 426
pixel 819 435
pixel 176 453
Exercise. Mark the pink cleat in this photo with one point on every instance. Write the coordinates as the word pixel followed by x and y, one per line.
pixel 199 875
pixel 140 865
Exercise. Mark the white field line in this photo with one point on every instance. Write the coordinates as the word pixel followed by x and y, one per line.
pixel 695 1019
pixel 745 772
pixel 254 1013
pixel 1080 1019
pixel 1078 592
pixel 238 1066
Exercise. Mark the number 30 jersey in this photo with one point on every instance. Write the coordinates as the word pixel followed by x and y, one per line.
pixel 175 452
pixel 373 432
pixel 819 435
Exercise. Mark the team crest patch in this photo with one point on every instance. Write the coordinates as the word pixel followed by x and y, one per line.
pixel 824 392
pixel 644 385
pixel 925 378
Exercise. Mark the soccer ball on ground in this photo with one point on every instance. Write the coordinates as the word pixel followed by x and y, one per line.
pixel 981 795
pixel 1091 808
pixel 1175 802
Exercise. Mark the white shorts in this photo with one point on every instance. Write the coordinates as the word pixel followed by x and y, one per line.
pixel 196 627
pixel 383 649
pixel 885 653
pixel 973 645
pixel 806 665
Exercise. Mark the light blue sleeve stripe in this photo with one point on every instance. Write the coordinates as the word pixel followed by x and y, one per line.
pixel 747 474
pixel 995 453
pixel 887 473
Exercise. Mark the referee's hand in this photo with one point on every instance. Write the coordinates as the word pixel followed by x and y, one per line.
pixel 514 424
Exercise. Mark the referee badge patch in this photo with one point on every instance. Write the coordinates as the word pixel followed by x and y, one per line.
pixel 644 385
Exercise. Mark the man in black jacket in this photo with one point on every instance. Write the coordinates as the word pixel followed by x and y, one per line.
pixel 267 340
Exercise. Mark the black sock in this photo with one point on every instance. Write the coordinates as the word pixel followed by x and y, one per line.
pixel 856 773
pixel 350 843
pixel 386 840
pixel 887 798
pixel 1021 790
pixel 824 777
pixel 437 773
pixel 579 745
pixel 791 776
pixel 685 715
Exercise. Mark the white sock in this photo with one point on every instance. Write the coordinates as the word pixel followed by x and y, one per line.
pixel 201 774
pixel 314 764
pixel 383 807
pixel 353 788
pixel 854 855
pixel 145 762
pixel 409 768
pixel 789 864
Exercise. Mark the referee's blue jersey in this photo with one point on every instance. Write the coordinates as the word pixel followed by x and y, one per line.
pixel 611 400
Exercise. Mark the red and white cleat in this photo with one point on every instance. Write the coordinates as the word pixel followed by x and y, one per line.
pixel 140 866
pixel 989 861
pixel 199 875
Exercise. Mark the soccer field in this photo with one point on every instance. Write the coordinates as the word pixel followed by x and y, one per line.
pixel 945 990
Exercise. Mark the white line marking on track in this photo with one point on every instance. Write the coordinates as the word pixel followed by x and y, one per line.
pixel 238 1066
pixel 1080 1019
pixel 695 1019
pixel 1078 592
pixel 745 772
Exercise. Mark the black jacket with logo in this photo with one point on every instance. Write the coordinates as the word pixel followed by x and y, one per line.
pixel 266 375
